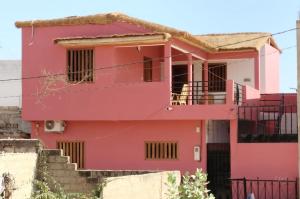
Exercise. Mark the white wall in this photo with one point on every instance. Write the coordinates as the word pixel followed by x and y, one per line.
pixel 146 186
pixel 241 69
pixel 237 70
pixel 10 69
pixel 22 167
pixel 197 71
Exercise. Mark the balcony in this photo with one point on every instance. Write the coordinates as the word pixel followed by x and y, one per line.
pixel 207 93
pixel 267 123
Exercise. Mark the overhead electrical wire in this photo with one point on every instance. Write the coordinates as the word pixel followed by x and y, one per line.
pixel 131 83
pixel 139 62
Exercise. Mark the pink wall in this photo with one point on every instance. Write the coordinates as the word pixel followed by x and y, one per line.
pixel 271 69
pixel 117 93
pixel 263 160
pixel 120 145
pixel 133 73
pixel 250 93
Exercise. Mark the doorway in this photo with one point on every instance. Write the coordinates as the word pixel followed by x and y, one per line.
pixel 218 158
pixel 179 77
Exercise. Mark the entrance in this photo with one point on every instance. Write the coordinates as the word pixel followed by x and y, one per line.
pixel 218 159
pixel 179 77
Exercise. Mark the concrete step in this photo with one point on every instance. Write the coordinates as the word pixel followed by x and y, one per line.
pixel 63 173
pixel 71 180
pixel 92 180
pixel 52 152
pixel 58 159
pixel 61 166
pixel 78 187
pixel 85 173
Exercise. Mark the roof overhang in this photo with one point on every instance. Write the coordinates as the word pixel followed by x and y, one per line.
pixel 117 40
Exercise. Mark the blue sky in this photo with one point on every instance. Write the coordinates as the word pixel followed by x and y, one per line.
pixel 197 17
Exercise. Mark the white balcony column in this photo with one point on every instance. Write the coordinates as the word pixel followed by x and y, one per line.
pixel 168 69
pixel 190 78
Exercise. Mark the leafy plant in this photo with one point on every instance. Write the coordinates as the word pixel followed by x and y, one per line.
pixel 192 187
pixel 98 192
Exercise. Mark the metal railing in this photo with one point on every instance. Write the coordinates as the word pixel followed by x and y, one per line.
pixel 238 94
pixel 268 123
pixel 264 189
pixel 198 92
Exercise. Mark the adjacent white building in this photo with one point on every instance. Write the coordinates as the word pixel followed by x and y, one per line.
pixel 10 90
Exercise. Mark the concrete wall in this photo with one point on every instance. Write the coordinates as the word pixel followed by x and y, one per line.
pixel 263 160
pixel 18 157
pixel 22 167
pixel 11 123
pixel 146 186
pixel 10 69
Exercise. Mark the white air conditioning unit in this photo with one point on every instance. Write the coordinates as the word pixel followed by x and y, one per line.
pixel 54 126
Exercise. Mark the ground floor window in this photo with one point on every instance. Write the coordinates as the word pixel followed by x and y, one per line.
pixel 74 149
pixel 161 150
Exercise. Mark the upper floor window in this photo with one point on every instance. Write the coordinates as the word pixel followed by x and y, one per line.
pixel 80 65
pixel 147 69
pixel 217 77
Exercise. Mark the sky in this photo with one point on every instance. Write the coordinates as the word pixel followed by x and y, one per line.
pixel 194 16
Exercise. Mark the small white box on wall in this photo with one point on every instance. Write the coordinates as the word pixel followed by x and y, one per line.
pixel 197 153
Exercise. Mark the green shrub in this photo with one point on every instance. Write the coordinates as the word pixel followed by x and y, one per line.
pixel 191 187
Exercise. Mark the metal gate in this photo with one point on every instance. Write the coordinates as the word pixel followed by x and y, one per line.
pixel 218 169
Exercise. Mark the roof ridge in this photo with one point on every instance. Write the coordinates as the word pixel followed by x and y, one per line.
pixel 233 33
pixel 114 17
pixel 108 18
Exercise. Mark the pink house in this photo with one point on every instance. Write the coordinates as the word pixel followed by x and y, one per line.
pixel 116 92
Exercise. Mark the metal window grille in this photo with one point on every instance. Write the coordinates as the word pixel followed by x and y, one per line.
pixel 147 69
pixel 161 150
pixel 74 149
pixel 80 65
pixel 217 77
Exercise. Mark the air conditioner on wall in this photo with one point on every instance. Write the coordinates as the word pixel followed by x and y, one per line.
pixel 54 126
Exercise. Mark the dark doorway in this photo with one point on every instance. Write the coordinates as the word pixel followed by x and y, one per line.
pixel 179 77
pixel 218 169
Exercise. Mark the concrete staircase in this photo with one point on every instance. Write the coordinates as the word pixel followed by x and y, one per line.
pixel 66 174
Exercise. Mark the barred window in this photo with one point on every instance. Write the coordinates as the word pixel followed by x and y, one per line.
pixel 80 65
pixel 217 77
pixel 161 150
pixel 74 149
pixel 147 69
